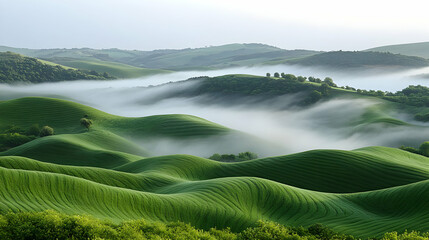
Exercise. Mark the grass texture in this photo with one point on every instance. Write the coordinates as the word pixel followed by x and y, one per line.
pixel 364 192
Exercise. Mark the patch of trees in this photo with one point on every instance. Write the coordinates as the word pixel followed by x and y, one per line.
pixel 422 150
pixel 417 96
pixel 51 225
pixel 17 68
pixel 239 85
pixel 14 136
pixel 243 156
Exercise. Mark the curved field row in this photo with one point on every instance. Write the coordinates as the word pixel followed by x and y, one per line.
pixel 223 202
pixel 364 192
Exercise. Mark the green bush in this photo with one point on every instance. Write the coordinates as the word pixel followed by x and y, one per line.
pixel 267 231
pixel 33 130
pixel 46 131
pixel 10 140
pixel 424 148
pixel 51 225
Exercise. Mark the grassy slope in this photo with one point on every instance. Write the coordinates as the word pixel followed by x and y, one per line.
pixel 95 148
pixel 64 117
pixel 119 70
pixel 207 193
pixel 346 59
pixel 411 49
pixel 229 55
pixel 363 192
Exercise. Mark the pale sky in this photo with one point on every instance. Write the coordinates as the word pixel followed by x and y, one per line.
pixel 160 24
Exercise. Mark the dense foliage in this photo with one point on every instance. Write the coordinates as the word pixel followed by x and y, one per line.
pixel 422 150
pixel 245 85
pixel 17 68
pixel 412 95
pixel 14 136
pixel 417 96
pixel 52 225
pixel 244 156
pixel 49 225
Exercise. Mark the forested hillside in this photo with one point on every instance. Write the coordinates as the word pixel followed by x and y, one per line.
pixel 15 68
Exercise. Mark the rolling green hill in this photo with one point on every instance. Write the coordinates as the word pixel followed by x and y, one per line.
pixel 118 70
pixel 101 172
pixel 410 49
pixel 64 117
pixel 206 193
pixel 345 59
pixel 15 68
pixel 230 55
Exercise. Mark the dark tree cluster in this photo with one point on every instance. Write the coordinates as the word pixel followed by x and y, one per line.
pixel 244 156
pixel 417 96
pixel 15 136
pixel 422 150
pixel 17 68
pixel 239 85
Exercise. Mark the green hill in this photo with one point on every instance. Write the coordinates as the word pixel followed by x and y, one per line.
pixel 206 193
pixel 118 70
pixel 15 68
pixel 95 148
pixel 411 49
pixel 346 59
pixel 103 173
pixel 64 117
pixel 230 55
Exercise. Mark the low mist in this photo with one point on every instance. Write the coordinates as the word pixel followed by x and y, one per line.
pixel 268 130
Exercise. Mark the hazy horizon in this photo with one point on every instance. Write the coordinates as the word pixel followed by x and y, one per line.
pixel 167 24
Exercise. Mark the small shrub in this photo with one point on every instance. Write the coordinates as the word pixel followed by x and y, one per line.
pixel 86 122
pixel 46 131
pixel 424 149
pixel 34 130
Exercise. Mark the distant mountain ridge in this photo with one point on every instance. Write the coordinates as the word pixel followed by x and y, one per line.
pixel 231 55
pixel 356 59
pixel 135 63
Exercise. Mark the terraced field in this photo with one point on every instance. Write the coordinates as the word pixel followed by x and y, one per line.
pixel 364 192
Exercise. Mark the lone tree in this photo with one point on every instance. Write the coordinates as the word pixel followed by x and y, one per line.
pixel 46 131
pixel 86 123
pixel 268 74
pixel 276 74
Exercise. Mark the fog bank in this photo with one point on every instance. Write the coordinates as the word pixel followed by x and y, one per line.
pixel 277 131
